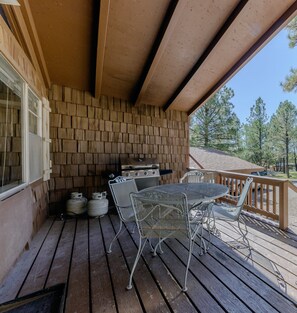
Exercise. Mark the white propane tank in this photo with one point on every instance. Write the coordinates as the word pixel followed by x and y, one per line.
pixel 77 204
pixel 98 206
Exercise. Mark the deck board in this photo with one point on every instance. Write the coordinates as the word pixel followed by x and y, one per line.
pixel 59 269
pixel 282 270
pixel 10 287
pixel 151 298
pixel 224 280
pixel 38 273
pixel 126 301
pixel 227 299
pixel 99 272
pixel 78 282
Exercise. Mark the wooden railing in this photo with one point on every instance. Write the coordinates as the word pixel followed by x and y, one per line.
pixel 268 196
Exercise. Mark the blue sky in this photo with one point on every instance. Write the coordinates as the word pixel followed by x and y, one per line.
pixel 262 75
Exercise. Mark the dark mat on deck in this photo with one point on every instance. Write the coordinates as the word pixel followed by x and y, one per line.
pixel 50 300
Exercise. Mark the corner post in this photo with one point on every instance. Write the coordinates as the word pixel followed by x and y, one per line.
pixel 283 205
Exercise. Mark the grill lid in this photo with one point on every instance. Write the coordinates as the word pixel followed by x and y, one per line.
pixel 139 163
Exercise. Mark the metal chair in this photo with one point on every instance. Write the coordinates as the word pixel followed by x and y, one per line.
pixel 201 209
pixel 232 213
pixel 120 188
pixel 194 176
pixel 162 215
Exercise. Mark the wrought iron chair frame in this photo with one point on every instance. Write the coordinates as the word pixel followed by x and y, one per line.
pixel 122 202
pixel 162 215
pixel 232 213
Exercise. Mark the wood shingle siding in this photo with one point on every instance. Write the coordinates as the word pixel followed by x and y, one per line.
pixel 89 136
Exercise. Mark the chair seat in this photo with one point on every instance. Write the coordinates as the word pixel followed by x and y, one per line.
pixel 223 212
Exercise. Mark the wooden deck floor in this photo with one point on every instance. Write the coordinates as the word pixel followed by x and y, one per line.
pixel 224 280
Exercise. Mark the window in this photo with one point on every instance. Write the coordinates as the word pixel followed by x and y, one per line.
pixel 11 128
pixel 22 146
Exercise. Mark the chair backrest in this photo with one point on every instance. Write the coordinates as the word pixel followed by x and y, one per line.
pixel 120 188
pixel 243 194
pixel 160 214
pixel 192 177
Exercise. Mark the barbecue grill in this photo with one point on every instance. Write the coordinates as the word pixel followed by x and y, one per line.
pixel 145 171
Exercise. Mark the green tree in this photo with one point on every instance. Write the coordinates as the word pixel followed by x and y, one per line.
pixel 282 130
pixel 256 134
pixel 215 125
pixel 290 82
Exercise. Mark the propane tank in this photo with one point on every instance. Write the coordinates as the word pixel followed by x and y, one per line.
pixel 98 206
pixel 77 204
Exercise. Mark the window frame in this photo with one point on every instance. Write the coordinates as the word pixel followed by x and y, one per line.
pixel 25 112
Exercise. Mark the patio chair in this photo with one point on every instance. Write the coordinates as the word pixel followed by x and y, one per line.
pixel 163 215
pixel 192 177
pixel 197 176
pixel 120 188
pixel 199 210
pixel 232 213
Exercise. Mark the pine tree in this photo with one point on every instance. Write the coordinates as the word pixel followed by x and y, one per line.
pixel 256 134
pixel 215 125
pixel 282 130
pixel 290 83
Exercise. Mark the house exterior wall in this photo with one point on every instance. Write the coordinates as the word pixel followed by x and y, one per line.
pixel 22 213
pixel 21 216
pixel 89 136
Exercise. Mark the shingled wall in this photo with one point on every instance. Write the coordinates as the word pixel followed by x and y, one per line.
pixel 90 135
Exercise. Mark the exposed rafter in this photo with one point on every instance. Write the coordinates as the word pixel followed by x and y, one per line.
pixel 21 20
pixel 166 31
pixel 267 35
pixel 101 42
pixel 206 52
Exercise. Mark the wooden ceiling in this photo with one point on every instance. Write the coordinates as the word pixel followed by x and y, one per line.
pixel 167 53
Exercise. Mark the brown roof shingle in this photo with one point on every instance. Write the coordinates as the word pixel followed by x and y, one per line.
pixel 212 159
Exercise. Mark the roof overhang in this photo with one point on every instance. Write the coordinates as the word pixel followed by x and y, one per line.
pixel 171 54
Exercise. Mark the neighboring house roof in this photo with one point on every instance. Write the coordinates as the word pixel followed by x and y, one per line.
pixel 212 159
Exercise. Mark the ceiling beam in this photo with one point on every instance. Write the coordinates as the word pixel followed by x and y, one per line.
pixel 101 42
pixel 169 23
pixel 21 20
pixel 206 52
pixel 254 48
pixel 10 19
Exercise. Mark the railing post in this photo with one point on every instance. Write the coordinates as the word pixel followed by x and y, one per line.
pixel 283 206
pixel 218 178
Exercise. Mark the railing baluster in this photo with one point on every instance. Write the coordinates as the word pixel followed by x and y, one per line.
pixel 267 198
pixel 261 197
pixel 283 205
pixel 256 195
pixel 274 199
pixel 260 201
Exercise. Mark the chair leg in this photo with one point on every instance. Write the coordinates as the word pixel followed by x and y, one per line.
pixel 140 249
pixel 115 237
pixel 185 288
pixel 210 229
pixel 243 232
pixel 158 245
pixel 133 229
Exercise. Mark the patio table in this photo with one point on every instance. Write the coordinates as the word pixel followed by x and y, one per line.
pixel 195 192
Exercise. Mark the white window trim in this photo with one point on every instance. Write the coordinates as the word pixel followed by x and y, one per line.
pixel 25 133
pixel 43 132
pixel 46 141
